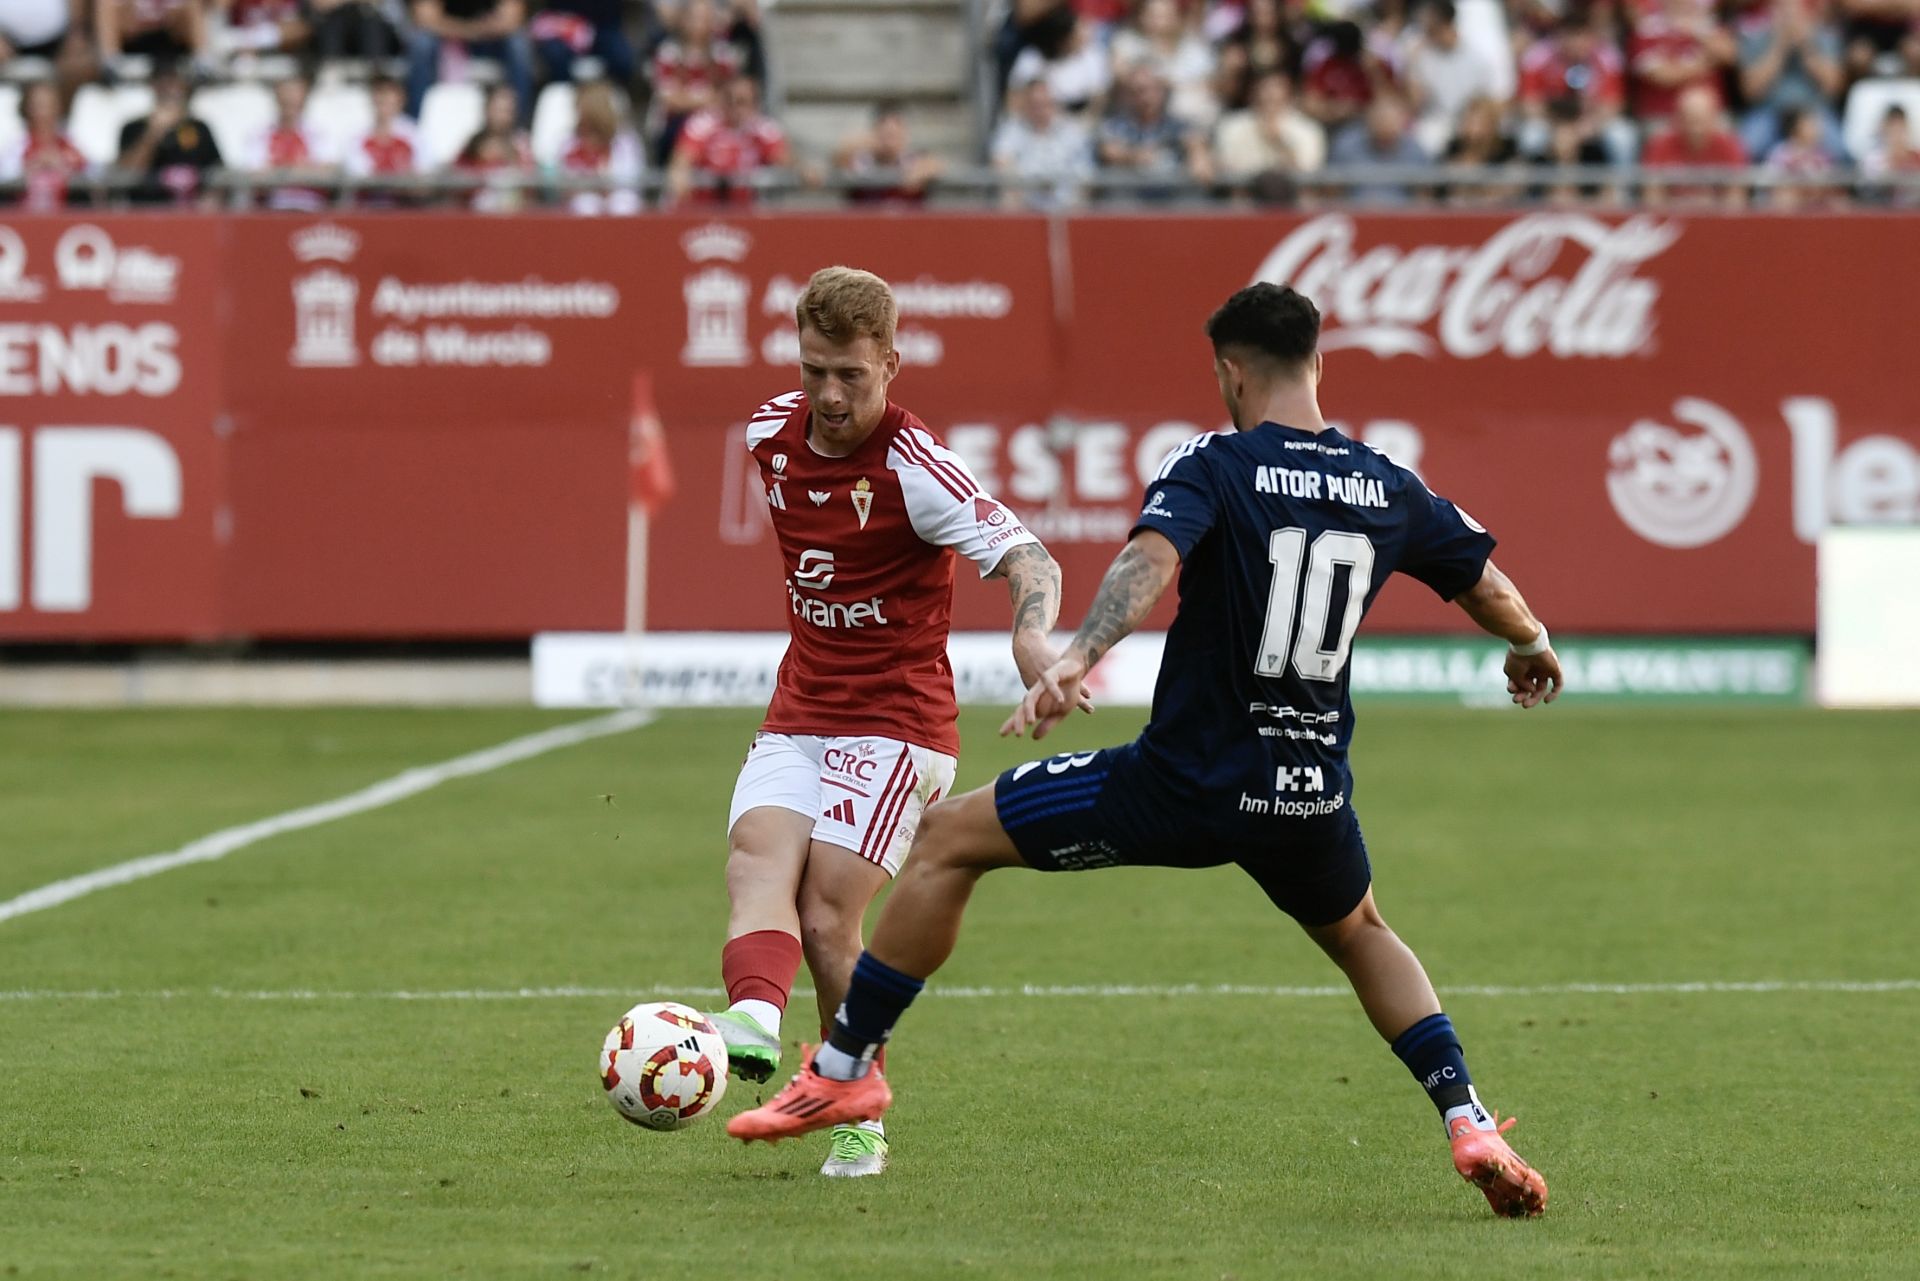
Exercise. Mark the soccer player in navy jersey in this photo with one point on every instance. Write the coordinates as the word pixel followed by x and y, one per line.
pixel 1282 532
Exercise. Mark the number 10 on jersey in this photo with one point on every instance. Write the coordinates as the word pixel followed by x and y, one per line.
pixel 1287 549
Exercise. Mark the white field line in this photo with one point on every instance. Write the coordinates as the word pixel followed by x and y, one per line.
pixel 1021 992
pixel 398 788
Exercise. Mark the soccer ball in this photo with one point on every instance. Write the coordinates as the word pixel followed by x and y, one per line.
pixel 664 1065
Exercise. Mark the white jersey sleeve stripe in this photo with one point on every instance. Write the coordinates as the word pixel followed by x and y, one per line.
pixel 952 475
pixel 1185 449
pixel 771 417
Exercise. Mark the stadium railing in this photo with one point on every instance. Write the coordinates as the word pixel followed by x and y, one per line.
pixel 976 187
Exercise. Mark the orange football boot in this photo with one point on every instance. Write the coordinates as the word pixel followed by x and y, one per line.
pixel 813 1102
pixel 1514 1189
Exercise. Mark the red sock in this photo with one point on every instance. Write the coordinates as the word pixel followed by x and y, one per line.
pixel 760 966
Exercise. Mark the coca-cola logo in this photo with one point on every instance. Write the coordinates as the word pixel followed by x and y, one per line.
pixel 1683 489
pixel 1470 301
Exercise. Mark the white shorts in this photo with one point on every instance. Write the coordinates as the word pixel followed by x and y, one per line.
pixel 865 794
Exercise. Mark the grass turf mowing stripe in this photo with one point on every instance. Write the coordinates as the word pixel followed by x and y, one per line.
pixel 398 788
pixel 1025 991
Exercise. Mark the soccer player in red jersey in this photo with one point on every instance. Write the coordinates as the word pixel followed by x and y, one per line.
pixel 869 509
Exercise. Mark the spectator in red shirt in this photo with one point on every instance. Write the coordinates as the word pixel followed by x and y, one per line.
pixel 289 145
pixel 1698 139
pixel 689 68
pixel 1676 47
pixel 499 154
pixel 602 144
pixel 1802 153
pixel 388 149
pixel 42 158
pixel 1576 65
pixel 886 152
pixel 1340 77
pixel 726 145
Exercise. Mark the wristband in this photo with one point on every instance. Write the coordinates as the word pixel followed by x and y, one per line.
pixel 1538 645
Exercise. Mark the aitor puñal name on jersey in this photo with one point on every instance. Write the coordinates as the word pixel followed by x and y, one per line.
pixel 1285 539
pixel 869 543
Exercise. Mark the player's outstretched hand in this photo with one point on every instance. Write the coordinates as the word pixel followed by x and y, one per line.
pixel 1058 690
pixel 1534 679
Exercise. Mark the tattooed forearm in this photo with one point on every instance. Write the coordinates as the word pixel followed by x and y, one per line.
pixel 1033 582
pixel 1134 582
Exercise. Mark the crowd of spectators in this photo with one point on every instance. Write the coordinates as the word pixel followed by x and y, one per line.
pixel 1150 100
pixel 1254 98
pixel 671 87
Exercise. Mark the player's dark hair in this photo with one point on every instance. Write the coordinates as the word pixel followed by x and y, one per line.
pixel 1276 321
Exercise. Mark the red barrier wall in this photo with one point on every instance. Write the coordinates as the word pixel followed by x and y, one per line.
pixel 417 426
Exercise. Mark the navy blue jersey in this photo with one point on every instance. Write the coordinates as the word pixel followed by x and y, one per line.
pixel 1285 538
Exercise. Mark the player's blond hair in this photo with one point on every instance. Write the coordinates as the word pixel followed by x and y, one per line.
pixel 844 303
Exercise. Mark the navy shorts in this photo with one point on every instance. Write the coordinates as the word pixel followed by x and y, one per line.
pixel 1110 808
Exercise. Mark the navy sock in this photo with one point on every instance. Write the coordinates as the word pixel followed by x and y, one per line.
pixel 1431 1052
pixel 876 998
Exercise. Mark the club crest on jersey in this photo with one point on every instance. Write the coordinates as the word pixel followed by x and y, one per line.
pixel 819 497
pixel 863 500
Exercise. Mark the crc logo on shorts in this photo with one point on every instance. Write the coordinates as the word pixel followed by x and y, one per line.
pixel 1678 488
pixel 859 762
pixel 815 572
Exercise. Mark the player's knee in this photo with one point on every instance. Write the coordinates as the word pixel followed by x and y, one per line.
pixel 827 926
pixel 935 840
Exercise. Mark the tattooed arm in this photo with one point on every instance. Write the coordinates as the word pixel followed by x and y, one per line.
pixel 1134 583
pixel 1033 583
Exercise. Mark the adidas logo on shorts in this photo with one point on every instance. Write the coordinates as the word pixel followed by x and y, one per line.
pixel 842 813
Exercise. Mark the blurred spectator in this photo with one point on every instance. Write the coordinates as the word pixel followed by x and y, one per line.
pixel 727 145
pixel 42 158
pixel 564 30
pixel 1261 43
pixel 1076 68
pixel 51 30
pixel 289 145
pixel 886 151
pixel 1803 153
pixel 1445 73
pixel 1567 144
pixel 1159 40
pixel 260 26
pixel 603 144
pixel 1143 138
pixel 164 30
pixel 1676 46
pixel 1575 65
pixel 1032 24
pixel 1340 77
pixel 499 153
pixel 169 150
pixel 1790 61
pixel 1883 37
pixel 450 31
pixel 353 28
pixel 1481 142
pixel 1893 155
pixel 1383 138
pixel 1697 140
pixel 388 149
pixel 1037 140
pixel 689 68
pixel 1269 137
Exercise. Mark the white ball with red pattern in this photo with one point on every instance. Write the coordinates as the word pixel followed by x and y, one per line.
pixel 664 1065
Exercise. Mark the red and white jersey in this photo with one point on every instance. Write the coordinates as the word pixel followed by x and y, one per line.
pixel 869 542
pixel 376 156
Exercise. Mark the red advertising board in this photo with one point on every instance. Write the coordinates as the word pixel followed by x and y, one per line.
pixel 417 426
pixel 110 458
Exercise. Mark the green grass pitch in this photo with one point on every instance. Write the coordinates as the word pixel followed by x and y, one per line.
pixel 233 1129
